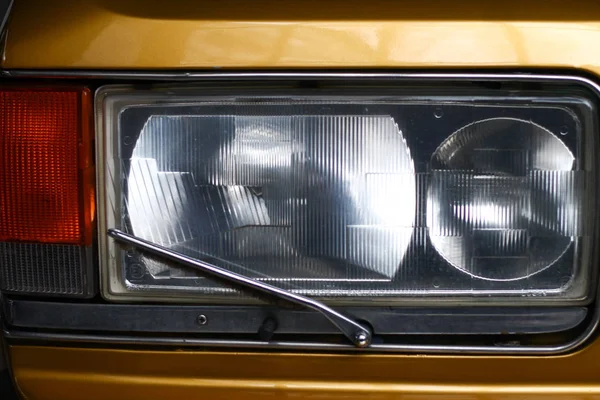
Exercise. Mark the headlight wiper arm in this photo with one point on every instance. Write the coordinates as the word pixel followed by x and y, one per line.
pixel 358 334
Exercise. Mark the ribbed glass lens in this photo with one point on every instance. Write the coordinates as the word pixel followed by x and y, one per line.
pixel 350 196
pixel 503 202
pixel 277 197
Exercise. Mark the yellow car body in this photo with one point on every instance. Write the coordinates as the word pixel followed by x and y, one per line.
pixel 301 35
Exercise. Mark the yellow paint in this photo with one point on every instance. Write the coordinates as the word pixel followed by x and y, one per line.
pixel 158 34
pixel 68 373
pixel 271 34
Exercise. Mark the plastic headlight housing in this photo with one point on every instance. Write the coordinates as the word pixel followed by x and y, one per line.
pixel 352 194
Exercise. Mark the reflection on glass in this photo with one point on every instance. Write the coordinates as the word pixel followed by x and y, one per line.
pixel 295 198
pixel 503 199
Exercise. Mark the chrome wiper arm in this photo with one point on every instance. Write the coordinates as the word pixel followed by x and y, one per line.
pixel 358 334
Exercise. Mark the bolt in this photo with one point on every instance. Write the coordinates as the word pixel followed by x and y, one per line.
pixel 202 320
pixel 362 339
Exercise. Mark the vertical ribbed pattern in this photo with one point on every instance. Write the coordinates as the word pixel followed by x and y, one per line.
pixel 260 154
pixel 302 199
pixel 377 248
pixel 355 179
pixel 504 202
pixel 418 262
pixel 557 198
pixel 497 254
pixel 476 202
pixel 471 214
pixel 331 205
pixel 42 269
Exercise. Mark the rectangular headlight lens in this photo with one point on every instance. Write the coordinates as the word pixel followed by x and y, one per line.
pixel 351 195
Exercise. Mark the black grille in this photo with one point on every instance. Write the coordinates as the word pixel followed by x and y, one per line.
pixel 44 269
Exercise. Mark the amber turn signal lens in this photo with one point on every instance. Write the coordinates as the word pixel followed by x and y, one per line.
pixel 46 166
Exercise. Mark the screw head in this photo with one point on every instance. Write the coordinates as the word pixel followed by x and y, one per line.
pixel 362 339
pixel 202 320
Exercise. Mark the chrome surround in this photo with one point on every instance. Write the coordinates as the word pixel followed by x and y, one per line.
pixel 207 75
pixel 188 76
pixel 285 345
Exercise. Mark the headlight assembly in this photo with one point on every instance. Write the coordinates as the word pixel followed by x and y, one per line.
pixel 354 194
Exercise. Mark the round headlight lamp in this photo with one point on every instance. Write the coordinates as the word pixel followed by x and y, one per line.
pixel 502 202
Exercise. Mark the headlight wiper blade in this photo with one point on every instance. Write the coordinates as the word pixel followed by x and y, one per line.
pixel 358 334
